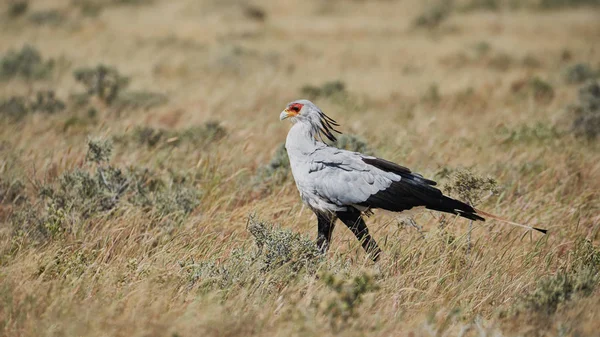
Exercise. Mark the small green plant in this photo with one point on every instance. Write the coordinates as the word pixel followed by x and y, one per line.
pixel 12 192
pixel 87 192
pixel 539 132
pixel 199 135
pixel 500 61
pixel 26 63
pixel 55 221
pixel 278 168
pixel 490 5
pixel 434 15
pixel 281 257
pixel 555 4
pixel 432 95
pixel 67 263
pixel 586 112
pixel 140 99
pixel 579 73
pixel 17 107
pixel 347 298
pixel 101 81
pixel 329 90
pixel 352 143
pixel 468 186
pixel 109 86
pixel 17 8
pixel 255 12
pixel 14 108
pixel 51 17
pixel 536 88
pixel 278 247
pixel 579 279
pixel 99 151
pixel 541 90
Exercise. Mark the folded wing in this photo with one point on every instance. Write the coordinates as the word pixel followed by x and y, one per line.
pixel 351 179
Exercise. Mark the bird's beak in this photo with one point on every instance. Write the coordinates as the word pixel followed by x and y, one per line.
pixel 284 114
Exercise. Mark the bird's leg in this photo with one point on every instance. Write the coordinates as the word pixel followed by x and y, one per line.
pixel 355 222
pixel 325 228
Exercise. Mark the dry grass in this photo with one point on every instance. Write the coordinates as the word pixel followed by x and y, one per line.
pixel 152 240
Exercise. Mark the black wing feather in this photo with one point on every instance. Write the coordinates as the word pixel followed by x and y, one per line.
pixel 412 191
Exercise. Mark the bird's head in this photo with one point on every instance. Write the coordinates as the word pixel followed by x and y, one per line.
pixel 306 112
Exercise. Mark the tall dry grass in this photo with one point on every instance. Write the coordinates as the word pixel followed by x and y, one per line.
pixel 482 87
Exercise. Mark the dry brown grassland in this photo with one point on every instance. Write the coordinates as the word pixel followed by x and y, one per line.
pixel 143 190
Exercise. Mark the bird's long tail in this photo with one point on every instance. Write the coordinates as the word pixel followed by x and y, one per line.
pixel 495 217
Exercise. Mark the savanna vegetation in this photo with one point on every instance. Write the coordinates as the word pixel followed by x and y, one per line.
pixel 145 191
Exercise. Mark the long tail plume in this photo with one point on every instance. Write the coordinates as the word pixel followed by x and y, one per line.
pixel 495 217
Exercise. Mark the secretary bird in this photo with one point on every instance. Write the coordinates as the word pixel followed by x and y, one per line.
pixel 341 184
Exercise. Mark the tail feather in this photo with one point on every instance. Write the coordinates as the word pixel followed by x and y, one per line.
pixel 495 217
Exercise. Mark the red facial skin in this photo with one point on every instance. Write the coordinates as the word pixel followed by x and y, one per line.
pixel 294 108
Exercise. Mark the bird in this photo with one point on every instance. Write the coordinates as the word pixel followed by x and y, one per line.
pixel 340 184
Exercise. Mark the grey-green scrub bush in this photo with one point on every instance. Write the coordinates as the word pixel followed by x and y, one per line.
pixel 586 112
pixel 26 63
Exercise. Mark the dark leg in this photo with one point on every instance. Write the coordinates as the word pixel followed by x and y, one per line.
pixel 326 224
pixel 353 219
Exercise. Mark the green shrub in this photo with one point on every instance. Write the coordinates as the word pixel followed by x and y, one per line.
pixel 85 192
pixel 579 280
pixel 468 186
pixel 26 63
pixel 434 15
pixel 101 81
pixel 12 192
pixel 432 95
pixel 348 295
pixel 108 85
pixel 556 289
pixel 277 170
pixel 586 112
pixel 199 135
pixel 17 8
pixel 353 143
pixel 52 17
pixel 579 73
pixel 17 107
pixel 280 257
pixel 140 99
pixel 329 90
pixel 278 247
pixel 67 263
pixel 536 88
pixel 539 132
pixel 555 4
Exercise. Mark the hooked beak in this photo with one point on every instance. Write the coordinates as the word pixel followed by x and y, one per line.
pixel 284 114
pixel 287 113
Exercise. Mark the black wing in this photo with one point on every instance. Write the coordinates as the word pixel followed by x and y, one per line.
pixel 412 191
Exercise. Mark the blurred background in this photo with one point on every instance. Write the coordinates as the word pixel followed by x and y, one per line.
pixel 137 136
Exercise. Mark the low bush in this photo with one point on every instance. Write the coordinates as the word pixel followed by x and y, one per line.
pixel 579 280
pixel 586 112
pixel 329 90
pixel 199 135
pixel 26 63
pixel 282 254
pixel 17 107
pixel 579 73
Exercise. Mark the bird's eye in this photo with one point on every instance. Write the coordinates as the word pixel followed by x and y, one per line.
pixel 296 107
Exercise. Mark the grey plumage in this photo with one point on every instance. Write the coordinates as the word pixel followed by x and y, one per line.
pixel 336 183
